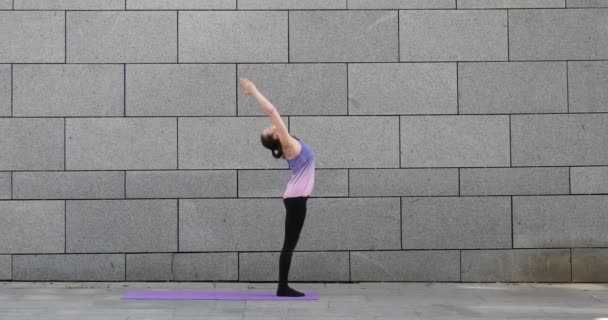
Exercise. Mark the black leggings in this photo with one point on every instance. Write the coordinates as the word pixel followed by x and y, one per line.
pixel 294 220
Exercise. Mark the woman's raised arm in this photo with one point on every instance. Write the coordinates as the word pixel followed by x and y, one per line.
pixel 275 118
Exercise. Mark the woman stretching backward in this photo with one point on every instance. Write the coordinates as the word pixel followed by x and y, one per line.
pixel 301 160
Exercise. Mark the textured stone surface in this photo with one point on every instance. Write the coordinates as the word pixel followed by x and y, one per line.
pixel 180 90
pixel 461 35
pixel 203 141
pixel 233 36
pixel 512 87
pixel 545 34
pixel 343 36
pixel 403 182
pixel 305 266
pixel 31 144
pixel 588 180
pixel 32 36
pixel 296 89
pixel 402 88
pixel 181 4
pixel 69 5
pixel 5 90
pixel 587 3
pixel 205 266
pixel 5 185
pixel 514 181
pixel 426 265
pixel 115 36
pixel 68 185
pixel 587 81
pixel 5 267
pixel 401 4
pixel 560 221
pixel 149 267
pixel 559 139
pixel 443 131
pixel 256 224
pixel 589 264
pixel 272 183
pixel 230 224
pixel 32 227
pixel 121 226
pixel 469 4
pixel 527 265
pixel 389 300
pixel 456 222
pixel 68 90
pixel 455 141
pixel 69 267
pixel 290 4
pixel 181 184
pixel 338 141
pixel 121 143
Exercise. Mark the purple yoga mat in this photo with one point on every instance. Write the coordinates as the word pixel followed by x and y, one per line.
pixel 212 295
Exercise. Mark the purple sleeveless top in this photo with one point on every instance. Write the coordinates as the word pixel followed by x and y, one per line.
pixel 303 173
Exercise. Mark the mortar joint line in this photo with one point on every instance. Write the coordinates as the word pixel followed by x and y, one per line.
pixel 350 277
pixel 569 180
pixel 512 234
pixel 65 227
pixel 172 260
pixel 508 39
pixel 571 266
pixel 458 181
pixel 457 92
pixel 65 36
pixel 399 137
pixel 236 81
pixel 177 34
pixel 12 87
pixel 348 182
pixel 288 53
pixel 401 222
pixel 177 226
pixel 65 144
pixel 567 88
pixel 124 89
pixel 510 145
pixel 177 143
pixel 460 263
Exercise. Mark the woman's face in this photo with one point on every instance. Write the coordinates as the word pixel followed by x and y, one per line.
pixel 270 131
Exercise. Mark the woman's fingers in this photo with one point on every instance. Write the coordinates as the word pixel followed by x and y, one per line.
pixel 247 85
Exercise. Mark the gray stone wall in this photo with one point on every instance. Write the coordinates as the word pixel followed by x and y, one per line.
pixel 456 140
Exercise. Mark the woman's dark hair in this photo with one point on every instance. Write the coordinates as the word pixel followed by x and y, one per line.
pixel 274 145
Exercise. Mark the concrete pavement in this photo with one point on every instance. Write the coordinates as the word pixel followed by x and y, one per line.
pixel 365 300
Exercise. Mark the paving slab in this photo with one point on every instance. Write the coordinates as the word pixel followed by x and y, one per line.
pixel 363 300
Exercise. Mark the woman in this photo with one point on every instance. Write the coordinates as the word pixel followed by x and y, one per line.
pixel 301 160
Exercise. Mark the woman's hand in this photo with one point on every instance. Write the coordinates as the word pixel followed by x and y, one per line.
pixel 248 86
